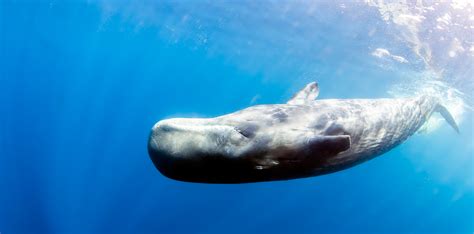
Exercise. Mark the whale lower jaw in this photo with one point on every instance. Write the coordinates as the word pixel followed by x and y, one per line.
pixel 233 173
pixel 228 172
pixel 216 169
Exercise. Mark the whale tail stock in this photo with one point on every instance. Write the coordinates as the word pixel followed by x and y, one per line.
pixel 447 116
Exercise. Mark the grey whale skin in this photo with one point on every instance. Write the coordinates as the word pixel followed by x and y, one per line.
pixel 302 138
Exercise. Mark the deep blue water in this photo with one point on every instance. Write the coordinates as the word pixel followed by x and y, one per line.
pixel 82 83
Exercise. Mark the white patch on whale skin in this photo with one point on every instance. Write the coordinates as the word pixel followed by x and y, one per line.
pixel 181 137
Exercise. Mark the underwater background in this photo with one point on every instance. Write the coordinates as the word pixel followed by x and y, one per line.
pixel 83 82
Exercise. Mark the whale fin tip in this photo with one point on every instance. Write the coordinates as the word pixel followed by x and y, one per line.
pixel 447 116
pixel 309 93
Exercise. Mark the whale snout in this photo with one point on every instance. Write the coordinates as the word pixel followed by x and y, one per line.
pixel 184 149
pixel 174 138
pixel 169 146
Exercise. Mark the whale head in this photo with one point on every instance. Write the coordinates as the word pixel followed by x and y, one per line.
pixel 197 148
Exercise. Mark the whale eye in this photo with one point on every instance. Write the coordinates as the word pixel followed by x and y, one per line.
pixel 247 130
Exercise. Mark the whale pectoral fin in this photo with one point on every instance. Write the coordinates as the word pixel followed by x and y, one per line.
pixel 306 95
pixel 330 145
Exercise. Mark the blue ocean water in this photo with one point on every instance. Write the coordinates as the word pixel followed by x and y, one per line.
pixel 82 83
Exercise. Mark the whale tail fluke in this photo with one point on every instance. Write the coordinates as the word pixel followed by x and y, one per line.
pixel 447 116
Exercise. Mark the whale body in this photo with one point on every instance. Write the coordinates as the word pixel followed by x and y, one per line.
pixel 302 138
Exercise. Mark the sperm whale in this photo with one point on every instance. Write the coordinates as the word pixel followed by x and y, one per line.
pixel 301 138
